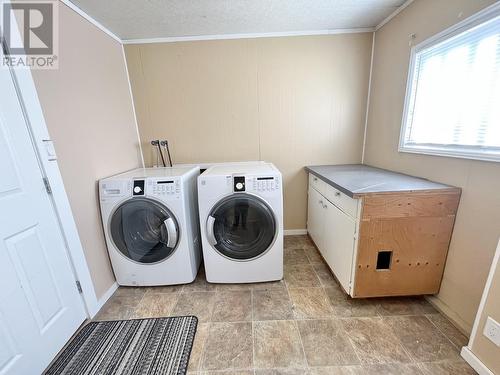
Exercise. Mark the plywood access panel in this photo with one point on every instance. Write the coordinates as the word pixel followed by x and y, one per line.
pixel 415 229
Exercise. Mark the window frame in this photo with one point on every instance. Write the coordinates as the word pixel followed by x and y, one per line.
pixel 463 152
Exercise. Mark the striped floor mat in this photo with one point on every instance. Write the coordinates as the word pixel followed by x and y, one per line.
pixel 132 347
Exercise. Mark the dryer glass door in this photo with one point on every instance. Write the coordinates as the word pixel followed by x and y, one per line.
pixel 241 227
pixel 144 230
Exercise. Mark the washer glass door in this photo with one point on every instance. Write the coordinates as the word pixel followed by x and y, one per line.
pixel 241 227
pixel 144 230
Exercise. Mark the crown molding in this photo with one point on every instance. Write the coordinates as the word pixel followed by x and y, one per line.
pixel 90 19
pixel 247 36
pixel 394 14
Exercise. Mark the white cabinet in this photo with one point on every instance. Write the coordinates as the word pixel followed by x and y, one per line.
pixel 338 243
pixel 331 222
pixel 315 215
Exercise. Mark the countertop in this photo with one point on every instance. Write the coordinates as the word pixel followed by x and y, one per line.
pixel 357 180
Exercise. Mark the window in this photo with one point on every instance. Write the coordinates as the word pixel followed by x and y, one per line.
pixel 452 105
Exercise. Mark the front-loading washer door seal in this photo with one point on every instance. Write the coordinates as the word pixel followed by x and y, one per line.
pixel 144 230
pixel 242 227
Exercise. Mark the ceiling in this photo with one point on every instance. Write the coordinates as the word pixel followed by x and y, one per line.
pixel 147 19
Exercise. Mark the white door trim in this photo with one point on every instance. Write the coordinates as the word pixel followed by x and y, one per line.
pixel 37 126
pixel 467 352
pixel 475 362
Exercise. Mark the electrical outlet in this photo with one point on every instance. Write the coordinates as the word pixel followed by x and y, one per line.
pixel 492 330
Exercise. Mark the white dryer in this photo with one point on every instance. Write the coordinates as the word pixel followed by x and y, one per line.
pixel 241 218
pixel 150 220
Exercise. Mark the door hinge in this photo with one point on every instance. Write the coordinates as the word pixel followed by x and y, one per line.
pixel 79 286
pixel 47 185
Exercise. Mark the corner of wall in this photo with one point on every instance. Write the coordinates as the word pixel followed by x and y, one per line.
pixel 368 97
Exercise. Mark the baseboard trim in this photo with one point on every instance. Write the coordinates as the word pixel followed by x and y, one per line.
pixel 105 297
pixel 444 309
pixel 474 362
pixel 295 232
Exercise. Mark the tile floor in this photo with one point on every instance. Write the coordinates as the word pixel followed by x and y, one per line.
pixel 304 324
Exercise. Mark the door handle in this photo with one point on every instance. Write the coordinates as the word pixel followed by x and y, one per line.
pixel 210 231
pixel 337 193
pixel 172 232
pixel 321 203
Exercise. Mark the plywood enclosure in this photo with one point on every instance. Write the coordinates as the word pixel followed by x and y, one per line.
pixel 416 228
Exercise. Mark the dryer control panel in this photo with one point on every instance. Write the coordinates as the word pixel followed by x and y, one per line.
pixel 164 188
pixel 251 184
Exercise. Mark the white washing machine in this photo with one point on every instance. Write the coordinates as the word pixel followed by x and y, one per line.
pixel 241 218
pixel 150 220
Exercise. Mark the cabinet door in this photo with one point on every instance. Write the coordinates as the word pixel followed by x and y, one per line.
pixel 338 243
pixel 315 216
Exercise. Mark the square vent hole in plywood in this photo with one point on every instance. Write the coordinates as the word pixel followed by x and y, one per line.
pixel 384 259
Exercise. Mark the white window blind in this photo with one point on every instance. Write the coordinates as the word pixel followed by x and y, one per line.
pixel 453 99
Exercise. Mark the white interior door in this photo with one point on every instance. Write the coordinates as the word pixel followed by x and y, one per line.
pixel 40 307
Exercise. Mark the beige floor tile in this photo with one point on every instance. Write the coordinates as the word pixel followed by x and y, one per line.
pixel 269 285
pixel 164 289
pixel 337 370
pixel 421 339
pixel 313 254
pixel 228 346
pixel 392 369
pixel 119 307
pixel 129 291
pixel 426 307
pixel 459 367
pixel 200 284
pixel 404 306
pixel 345 306
pixel 282 371
pixel 295 256
pixel 250 286
pixel 307 241
pixel 325 275
pixel 156 305
pixel 295 242
pixel 449 330
pixel 326 343
pixel 380 369
pixel 272 304
pixel 200 304
pixel 232 287
pixel 230 372
pixel 301 276
pixel 233 306
pixel 198 346
pixel 373 341
pixel 277 344
pixel 310 303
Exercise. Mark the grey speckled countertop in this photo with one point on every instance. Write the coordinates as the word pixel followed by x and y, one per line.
pixel 358 179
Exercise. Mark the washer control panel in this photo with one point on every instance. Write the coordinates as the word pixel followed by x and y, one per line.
pixel 164 187
pixel 239 183
pixel 265 183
